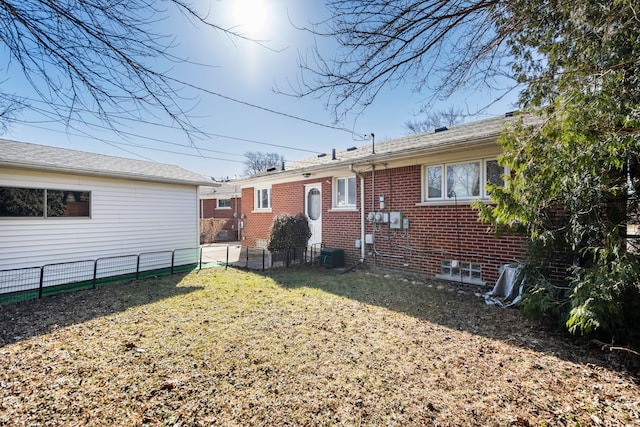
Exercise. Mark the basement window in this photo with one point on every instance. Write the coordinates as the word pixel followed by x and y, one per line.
pixel 261 243
pixel 469 272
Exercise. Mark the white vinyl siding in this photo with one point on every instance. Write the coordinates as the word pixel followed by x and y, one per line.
pixel 127 217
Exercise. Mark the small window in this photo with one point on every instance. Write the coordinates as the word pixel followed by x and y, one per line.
pixel 43 203
pixel 263 198
pixel 224 203
pixel 313 204
pixel 345 192
pixel 467 271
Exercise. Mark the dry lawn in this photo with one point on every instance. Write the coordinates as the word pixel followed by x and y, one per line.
pixel 296 347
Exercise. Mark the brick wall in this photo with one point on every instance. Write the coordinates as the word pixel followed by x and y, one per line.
pixel 288 197
pixel 209 209
pixel 437 232
pixel 340 229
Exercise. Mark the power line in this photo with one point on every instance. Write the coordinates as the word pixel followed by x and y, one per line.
pixel 117 144
pixel 95 125
pixel 269 110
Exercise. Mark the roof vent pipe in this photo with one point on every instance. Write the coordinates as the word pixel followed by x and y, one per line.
pixel 373 144
pixel 282 168
pixel 333 154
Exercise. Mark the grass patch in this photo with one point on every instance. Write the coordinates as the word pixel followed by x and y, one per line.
pixel 296 347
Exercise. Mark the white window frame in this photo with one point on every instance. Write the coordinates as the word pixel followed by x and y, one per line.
pixel 223 207
pixel 444 167
pixel 348 195
pixel 258 199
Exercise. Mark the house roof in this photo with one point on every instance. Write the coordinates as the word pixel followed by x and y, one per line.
pixel 458 137
pixel 224 190
pixel 53 159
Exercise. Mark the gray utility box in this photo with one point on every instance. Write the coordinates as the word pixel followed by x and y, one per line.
pixel 332 257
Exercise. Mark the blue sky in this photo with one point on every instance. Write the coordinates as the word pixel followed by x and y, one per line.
pixel 246 72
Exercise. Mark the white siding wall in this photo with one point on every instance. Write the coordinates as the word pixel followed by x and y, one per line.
pixel 127 217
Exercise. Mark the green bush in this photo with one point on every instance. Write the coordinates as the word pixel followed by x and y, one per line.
pixel 289 232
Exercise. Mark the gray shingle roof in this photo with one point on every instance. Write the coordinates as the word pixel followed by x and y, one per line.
pixel 221 190
pixel 42 157
pixel 458 136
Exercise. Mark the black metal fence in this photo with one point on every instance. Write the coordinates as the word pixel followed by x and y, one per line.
pixel 35 282
pixel 253 258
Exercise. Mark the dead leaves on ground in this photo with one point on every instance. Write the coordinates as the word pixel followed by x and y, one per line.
pixel 245 349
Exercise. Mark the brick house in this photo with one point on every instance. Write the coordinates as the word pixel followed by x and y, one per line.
pixel 401 204
pixel 222 205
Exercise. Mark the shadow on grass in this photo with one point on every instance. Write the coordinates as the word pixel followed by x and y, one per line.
pixel 26 319
pixel 453 306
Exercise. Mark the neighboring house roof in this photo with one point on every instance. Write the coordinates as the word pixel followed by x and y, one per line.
pixel 221 190
pixel 53 159
pixel 458 137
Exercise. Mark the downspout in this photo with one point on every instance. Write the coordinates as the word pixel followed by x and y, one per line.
pixel 199 216
pixel 362 223
pixel 373 209
pixel 236 214
pixel 373 189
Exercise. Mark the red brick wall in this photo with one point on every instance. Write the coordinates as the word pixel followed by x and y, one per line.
pixel 288 197
pixel 340 229
pixel 437 232
pixel 209 209
pixel 255 224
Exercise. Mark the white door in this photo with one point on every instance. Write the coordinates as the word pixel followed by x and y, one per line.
pixel 313 211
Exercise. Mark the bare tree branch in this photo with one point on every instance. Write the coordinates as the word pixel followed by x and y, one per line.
pixel 102 56
pixel 441 46
pixel 435 119
pixel 257 161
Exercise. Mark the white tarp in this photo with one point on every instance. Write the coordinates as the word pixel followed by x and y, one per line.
pixel 508 288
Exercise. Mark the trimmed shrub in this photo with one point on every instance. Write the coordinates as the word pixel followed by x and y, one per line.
pixel 289 232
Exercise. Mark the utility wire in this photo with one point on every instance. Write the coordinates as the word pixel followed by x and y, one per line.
pixel 118 144
pixel 95 125
pixel 269 110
